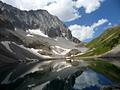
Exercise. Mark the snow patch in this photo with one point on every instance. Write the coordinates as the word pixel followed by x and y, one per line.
pixel 35 51
pixel 7 45
pixel 29 35
pixel 36 32
pixel 83 50
pixel 59 50
pixel 15 29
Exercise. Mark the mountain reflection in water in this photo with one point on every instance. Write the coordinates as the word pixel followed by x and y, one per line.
pixel 56 75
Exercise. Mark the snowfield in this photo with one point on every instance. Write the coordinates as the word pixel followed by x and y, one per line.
pixel 36 32
pixel 29 35
pixel 59 50
pixel 35 51
pixel 6 44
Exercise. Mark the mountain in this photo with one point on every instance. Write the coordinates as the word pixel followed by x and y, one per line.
pixel 38 19
pixel 107 41
pixel 32 36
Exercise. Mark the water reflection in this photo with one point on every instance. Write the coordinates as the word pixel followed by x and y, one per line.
pixel 90 79
pixel 36 75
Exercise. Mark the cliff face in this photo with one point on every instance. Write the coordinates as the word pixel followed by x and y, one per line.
pixel 38 19
pixel 5 23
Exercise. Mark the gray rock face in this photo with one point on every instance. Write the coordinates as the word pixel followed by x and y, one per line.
pixel 13 39
pixel 13 35
pixel 73 52
pixel 5 23
pixel 37 19
pixel 11 52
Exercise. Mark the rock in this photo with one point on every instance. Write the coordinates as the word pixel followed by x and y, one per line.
pixel 4 23
pixel 73 52
pixel 36 19
pixel 45 52
pixel 22 45
pixel 76 40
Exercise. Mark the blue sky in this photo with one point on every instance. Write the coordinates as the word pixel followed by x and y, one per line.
pixel 110 10
pixel 86 19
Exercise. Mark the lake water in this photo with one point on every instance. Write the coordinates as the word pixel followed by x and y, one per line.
pixel 55 75
pixel 90 80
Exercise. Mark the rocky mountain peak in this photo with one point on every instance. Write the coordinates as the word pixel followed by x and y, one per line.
pixel 36 19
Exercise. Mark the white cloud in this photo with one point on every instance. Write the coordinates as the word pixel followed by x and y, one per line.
pixel 63 9
pixel 86 32
pixel 109 23
pixel 89 5
pixel 100 22
pixel 66 10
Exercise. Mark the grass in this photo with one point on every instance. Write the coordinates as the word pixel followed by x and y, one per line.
pixel 109 70
pixel 105 42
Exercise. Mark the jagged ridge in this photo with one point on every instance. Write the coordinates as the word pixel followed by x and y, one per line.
pixel 47 23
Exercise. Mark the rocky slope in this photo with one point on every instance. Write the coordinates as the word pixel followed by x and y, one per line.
pixel 11 46
pixel 39 19
pixel 32 35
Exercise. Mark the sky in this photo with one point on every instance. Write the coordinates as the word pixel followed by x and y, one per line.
pixel 86 19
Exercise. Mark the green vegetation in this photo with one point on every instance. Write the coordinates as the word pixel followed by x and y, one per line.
pixel 105 42
pixel 109 70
